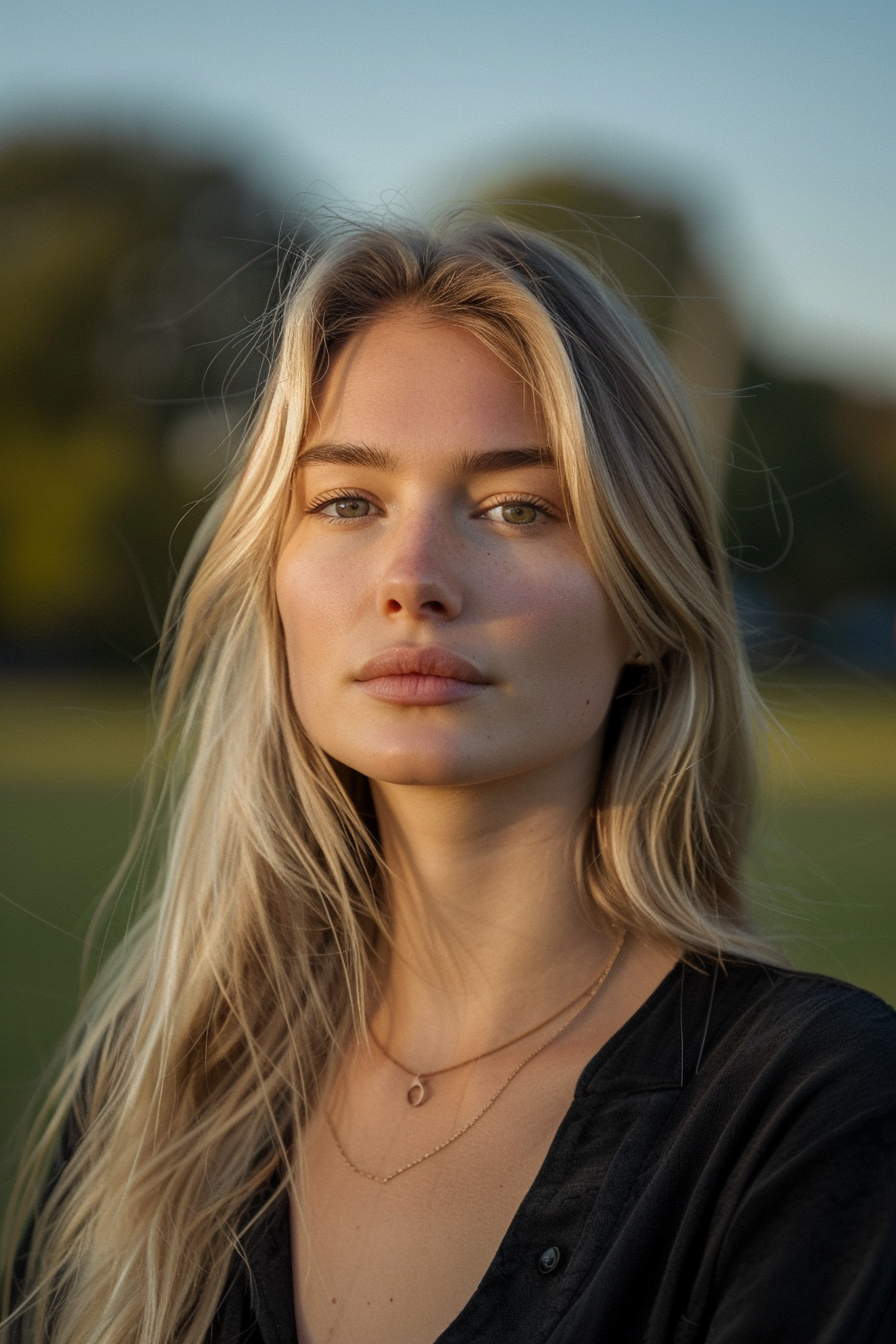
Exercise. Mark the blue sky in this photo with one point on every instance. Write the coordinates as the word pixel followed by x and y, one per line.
pixel 777 116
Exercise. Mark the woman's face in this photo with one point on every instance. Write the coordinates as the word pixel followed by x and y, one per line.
pixel 442 624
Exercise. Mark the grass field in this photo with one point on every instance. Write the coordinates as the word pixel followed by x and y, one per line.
pixel 823 868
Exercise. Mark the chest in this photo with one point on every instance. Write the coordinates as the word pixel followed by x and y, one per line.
pixel 398 1261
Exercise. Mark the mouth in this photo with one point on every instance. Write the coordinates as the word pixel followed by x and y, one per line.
pixel 414 676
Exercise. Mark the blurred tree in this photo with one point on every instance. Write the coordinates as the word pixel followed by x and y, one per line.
pixel 132 279
pixel 865 427
pixel 802 511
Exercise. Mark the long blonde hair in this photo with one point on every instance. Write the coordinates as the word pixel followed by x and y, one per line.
pixel 201 1048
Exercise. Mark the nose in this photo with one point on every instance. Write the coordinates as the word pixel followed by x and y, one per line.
pixel 421 577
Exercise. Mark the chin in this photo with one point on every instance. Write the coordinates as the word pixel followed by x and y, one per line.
pixel 423 768
pixel 426 762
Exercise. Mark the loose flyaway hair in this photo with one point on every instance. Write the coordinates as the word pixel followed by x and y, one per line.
pixel 202 1047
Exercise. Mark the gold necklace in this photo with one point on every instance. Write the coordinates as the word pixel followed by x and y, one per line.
pixel 384 1180
pixel 418 1093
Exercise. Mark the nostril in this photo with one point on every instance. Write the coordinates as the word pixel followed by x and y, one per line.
pixel 392 605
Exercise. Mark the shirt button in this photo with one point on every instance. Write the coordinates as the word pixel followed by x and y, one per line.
pixel 549 1260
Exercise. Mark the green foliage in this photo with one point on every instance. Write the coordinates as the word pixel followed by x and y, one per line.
pixel 799 514
pixel 132 280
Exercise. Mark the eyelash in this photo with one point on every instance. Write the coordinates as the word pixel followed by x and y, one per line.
pixel 318 505
pixel 535 501
pixel 322 501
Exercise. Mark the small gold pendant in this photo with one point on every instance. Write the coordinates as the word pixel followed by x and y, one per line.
pixel 417 1093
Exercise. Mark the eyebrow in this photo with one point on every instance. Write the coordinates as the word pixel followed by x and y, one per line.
pixel 465 463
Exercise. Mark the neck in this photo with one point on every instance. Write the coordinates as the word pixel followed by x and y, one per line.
pixel 489 929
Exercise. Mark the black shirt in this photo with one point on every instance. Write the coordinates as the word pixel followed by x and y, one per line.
pixel 726 1173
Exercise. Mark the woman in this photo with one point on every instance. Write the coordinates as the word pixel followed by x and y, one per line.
pixel 447 1021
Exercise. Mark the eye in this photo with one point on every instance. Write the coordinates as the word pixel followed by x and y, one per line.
pixel 345 507
pixel 517 512
pixel 349 508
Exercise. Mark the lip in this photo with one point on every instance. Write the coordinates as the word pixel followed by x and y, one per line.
pixel 420 676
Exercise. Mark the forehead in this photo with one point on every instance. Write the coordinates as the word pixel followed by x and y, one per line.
pixel 407 380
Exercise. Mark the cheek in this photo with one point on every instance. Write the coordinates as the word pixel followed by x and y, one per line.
pixel 314 609
pixel 573 643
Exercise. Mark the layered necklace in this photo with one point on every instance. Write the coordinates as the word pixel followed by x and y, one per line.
pixel 418 1091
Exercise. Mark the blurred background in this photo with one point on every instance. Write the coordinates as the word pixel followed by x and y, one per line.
pixel 732 165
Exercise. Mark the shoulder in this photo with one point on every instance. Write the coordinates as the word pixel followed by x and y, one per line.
pixel 769 991
pixel 807 1032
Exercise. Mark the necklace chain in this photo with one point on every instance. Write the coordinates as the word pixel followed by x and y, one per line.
pixel 423 1074
pixel 589 995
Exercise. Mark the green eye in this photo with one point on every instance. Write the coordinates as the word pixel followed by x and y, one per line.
pixel 349 508
pixel 519 513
